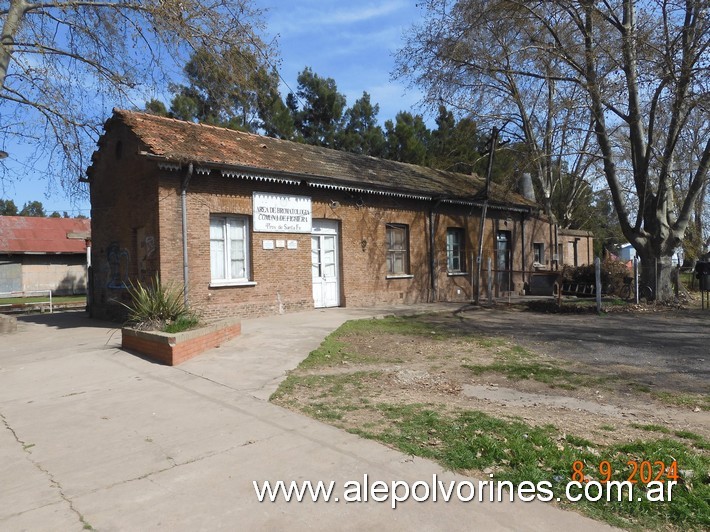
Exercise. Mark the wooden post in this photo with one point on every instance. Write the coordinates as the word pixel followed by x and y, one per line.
pixel 490 281
pixel 636 279
pixel 598 279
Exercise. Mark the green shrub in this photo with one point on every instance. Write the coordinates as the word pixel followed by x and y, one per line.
pixel 158 306
pixel 183 323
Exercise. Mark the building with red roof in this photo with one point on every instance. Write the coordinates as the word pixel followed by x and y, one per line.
pixel 43 254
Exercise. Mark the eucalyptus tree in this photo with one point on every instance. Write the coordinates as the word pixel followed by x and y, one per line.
pixel 65 63
pixel 634 73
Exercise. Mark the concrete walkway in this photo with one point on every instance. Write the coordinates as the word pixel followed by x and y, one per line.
pixel 93 436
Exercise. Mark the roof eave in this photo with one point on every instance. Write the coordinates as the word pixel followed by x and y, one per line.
pixel 322 181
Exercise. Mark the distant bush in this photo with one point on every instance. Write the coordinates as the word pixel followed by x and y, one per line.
pixel 613 273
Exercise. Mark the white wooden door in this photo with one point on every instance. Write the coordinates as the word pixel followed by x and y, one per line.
pixel 324 263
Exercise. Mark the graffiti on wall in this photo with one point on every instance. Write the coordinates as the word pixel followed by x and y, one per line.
pixel 145 254
pixel 117 266
pixel 149 247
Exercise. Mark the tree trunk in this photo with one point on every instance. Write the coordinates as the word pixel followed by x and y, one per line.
pixel 7 40
pixel 656 273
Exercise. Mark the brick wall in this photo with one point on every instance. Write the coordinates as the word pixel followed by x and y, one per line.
pixel 137 228
pixel 124 206
pixel 283 276
pixel 576 246
pixel 174 349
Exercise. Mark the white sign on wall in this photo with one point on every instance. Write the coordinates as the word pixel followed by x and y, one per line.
pixel 281 213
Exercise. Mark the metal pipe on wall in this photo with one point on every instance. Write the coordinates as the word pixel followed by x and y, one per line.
pixel 183 208
pixel 522 241
pixel 432 250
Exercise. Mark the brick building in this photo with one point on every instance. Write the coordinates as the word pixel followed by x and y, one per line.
pixel 575 247
pixel 40 254
pixel 273 225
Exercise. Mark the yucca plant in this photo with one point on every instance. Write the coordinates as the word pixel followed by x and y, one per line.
pixel 155 305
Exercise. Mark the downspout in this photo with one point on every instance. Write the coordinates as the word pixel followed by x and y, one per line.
pixel 183 208
pixel 432 255
pixel 484 212
pixel 522 228
pixel 552 245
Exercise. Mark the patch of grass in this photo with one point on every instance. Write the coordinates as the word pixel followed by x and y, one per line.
pixel 697 439
pixel 335 350
pixel 638 387
pixel 288 386
pixel 182 323
pixel 682 399
pixel 516 452
pixel 490 342
pixel 517 363
pixel 40 299
pixel 324 411
pixel 577 441
pixel 651 428
pixel 521 371
pixel 330 352
pixel 333 386
pixel 407 325
pixel 471 442
pixel 547 373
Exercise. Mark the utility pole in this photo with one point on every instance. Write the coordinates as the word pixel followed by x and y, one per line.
pixel 484 212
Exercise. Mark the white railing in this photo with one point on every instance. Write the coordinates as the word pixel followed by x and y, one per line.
pixel 26 294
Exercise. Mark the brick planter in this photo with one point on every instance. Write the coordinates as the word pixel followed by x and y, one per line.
pixel 175 348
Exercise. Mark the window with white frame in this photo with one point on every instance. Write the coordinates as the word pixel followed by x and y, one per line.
pixel 397 249
pixel 455 250
pixel 229 249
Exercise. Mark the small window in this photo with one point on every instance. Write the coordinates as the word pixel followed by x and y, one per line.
pixel 539 253
pixel 229 249
pixel 397 249
pixel 455 250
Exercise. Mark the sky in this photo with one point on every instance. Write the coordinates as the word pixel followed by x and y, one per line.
pixel 352 42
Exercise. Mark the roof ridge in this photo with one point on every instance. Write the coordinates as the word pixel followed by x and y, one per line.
pixel 212 144
pixel 278 140
pixel 193 124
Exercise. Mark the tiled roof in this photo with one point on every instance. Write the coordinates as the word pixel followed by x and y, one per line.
pixel 180 141
pixel 28 234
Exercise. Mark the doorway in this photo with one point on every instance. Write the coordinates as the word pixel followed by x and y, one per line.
pixel 504 260
pixel 325 264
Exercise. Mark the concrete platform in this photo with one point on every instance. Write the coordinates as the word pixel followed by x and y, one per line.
pixel 93 436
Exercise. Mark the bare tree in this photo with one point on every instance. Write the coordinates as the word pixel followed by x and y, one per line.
pixel 478 58
pixel 640 69
pixel 64 63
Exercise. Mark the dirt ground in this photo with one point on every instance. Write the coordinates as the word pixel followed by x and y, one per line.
pixel 637 370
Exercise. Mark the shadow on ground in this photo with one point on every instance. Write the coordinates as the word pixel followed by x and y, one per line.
pixel 667 350
pixel 69 319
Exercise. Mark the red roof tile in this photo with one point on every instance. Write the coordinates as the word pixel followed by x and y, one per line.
pixel 27 234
